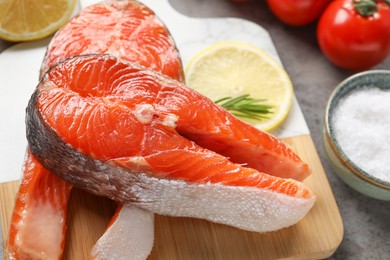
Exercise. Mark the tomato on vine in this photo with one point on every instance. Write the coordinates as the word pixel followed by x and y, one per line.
pixel 355 34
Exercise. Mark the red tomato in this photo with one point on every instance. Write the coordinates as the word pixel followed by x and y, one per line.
pixel 352 41
pixel 297 12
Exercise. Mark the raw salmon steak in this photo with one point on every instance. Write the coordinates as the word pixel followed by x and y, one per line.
pixel 129 30
pixel 117 129
pixel 126 29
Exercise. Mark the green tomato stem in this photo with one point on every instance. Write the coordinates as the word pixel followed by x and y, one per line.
pixel 365 7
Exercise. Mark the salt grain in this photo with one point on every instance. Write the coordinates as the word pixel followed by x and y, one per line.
pixel 361 125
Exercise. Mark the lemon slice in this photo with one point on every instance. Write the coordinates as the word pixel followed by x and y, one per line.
pixel 22 20
pixel 232 69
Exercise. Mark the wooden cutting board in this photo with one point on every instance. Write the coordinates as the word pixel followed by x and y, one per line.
pixel 316 236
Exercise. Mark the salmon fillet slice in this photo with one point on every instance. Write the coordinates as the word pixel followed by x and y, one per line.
pixel 120 137
pixel 127 29
pixel 33 201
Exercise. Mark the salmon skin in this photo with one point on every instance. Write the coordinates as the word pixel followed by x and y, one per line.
pixel 130 233
pixel 120 137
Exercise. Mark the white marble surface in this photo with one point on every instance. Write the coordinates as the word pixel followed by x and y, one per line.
pixel 19 66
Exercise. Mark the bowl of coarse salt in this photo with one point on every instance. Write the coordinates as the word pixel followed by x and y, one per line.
pixel 357 132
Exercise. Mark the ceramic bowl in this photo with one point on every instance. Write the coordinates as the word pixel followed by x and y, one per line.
pixel 346 169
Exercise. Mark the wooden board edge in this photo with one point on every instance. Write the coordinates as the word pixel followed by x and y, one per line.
pixel 301 145
pixel 6 210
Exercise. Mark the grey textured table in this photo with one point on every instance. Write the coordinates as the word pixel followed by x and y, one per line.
pixel 366 221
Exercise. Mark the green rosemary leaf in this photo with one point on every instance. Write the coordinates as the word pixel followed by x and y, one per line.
pixel 246 107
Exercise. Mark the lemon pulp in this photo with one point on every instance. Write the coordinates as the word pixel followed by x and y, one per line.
pixel 234 69
pixel 22 20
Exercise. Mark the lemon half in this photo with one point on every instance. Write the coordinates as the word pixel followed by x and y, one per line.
pixel 231 69
pixel 23 20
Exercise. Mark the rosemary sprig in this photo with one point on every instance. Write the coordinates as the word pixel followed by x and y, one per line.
pixel 246 107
